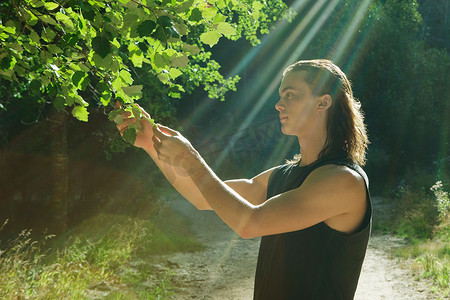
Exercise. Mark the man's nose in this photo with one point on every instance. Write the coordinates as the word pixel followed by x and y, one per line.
pixel 279 105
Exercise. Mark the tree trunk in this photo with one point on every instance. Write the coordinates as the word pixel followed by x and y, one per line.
pixel 59 172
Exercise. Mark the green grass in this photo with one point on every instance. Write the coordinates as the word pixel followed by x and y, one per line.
pixel 431 260
pixel 98 255
pixel 421 216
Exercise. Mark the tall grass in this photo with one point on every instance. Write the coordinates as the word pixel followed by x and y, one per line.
pixel 96 257
pixel 422 217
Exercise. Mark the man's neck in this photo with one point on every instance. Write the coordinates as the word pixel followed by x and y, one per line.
pixel 310 147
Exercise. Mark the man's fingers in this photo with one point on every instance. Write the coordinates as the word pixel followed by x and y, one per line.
pixel 161 135
pixel 166 130
pixel 156 141
pixel 146 114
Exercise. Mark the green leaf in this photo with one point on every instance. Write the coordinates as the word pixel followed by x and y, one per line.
pixel 16 46
pixel 174 73
pixel 48 35
pixel 160 61
pixel 71 39
pixel 37 3
pixel 191 48
pixel 164 21
pixel 59 103
pixel 51 6
pixel 136 56
pixel 5 63
pixel 35 37
pixel 133 91
pixel 179 61
pixel 9 74
pixel 101 46
pixel 11 30
pixel 49 20
pixel 146 28
pixel 226 28
pixel 30 18
pixel 126 76
pixel 105 98
pixel 219 18
pixel 53 49
pixel 257 6
pixel 210 38
pixel 101 62
pixel 77 77
pixel 184 7
pixel 64 19
pixel 160 35
pixel 114 113
pixel 118 119
pixel 163 77
pixel 81 113
pixel 210 12
pixel 35 84
pixel 196 15
pixel 129 135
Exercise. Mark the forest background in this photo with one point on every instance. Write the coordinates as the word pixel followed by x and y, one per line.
pixel 58 172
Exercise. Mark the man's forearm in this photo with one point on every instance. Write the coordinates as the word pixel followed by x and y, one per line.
pixel 233 209
pixel 181 181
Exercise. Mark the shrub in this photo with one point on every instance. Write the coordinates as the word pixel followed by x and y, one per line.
pixel 416 214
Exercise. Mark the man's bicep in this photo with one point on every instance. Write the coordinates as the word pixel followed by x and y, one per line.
pixel 254 190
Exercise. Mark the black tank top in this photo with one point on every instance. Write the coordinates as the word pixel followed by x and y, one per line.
pixel 314 263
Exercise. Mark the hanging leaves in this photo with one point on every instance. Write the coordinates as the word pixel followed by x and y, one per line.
pixel 66 47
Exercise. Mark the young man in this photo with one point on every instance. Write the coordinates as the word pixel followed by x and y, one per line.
pixel 314 213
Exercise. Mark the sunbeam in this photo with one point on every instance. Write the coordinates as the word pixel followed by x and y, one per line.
pixel 299 35
pixel 347 38
pixel 277 62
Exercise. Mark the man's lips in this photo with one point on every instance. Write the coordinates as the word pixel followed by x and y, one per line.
pixel 283 118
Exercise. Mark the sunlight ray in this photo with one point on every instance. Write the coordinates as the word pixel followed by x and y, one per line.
pixel 308 26
pixel 347 38
pixel 312 33
pixel 277 60
pixel 275 65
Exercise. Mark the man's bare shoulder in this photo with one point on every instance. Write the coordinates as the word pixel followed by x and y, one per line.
pixel 337 174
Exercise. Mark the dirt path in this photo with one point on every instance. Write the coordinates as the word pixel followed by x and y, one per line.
pixel 225 270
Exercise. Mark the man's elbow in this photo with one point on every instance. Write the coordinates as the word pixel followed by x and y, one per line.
pixel 246 235
pixel 202 206
pixel 248 229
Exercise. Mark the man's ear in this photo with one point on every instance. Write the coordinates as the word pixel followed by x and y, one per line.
pixel 325 102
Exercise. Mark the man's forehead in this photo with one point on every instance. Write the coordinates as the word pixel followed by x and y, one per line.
pixel 292 80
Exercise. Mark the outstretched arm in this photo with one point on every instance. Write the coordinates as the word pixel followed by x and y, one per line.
pixel 174 174
pixel 333 194
pixel 253 189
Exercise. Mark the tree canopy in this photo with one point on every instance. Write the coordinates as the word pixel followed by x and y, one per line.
pixel 77 53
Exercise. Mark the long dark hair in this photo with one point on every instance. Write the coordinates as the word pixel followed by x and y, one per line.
pixel 346 131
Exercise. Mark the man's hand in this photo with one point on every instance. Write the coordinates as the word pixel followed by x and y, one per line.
pixel 174 149
pixel 144 137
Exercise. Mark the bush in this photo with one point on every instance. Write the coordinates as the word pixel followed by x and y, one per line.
pixel 442 199
pixel 416 214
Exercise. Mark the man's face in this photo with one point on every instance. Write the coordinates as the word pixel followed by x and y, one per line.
pixel 297 106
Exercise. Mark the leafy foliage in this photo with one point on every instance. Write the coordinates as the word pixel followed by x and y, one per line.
pixel 73 49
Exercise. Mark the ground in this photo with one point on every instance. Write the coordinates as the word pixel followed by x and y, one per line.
pixel 225 269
